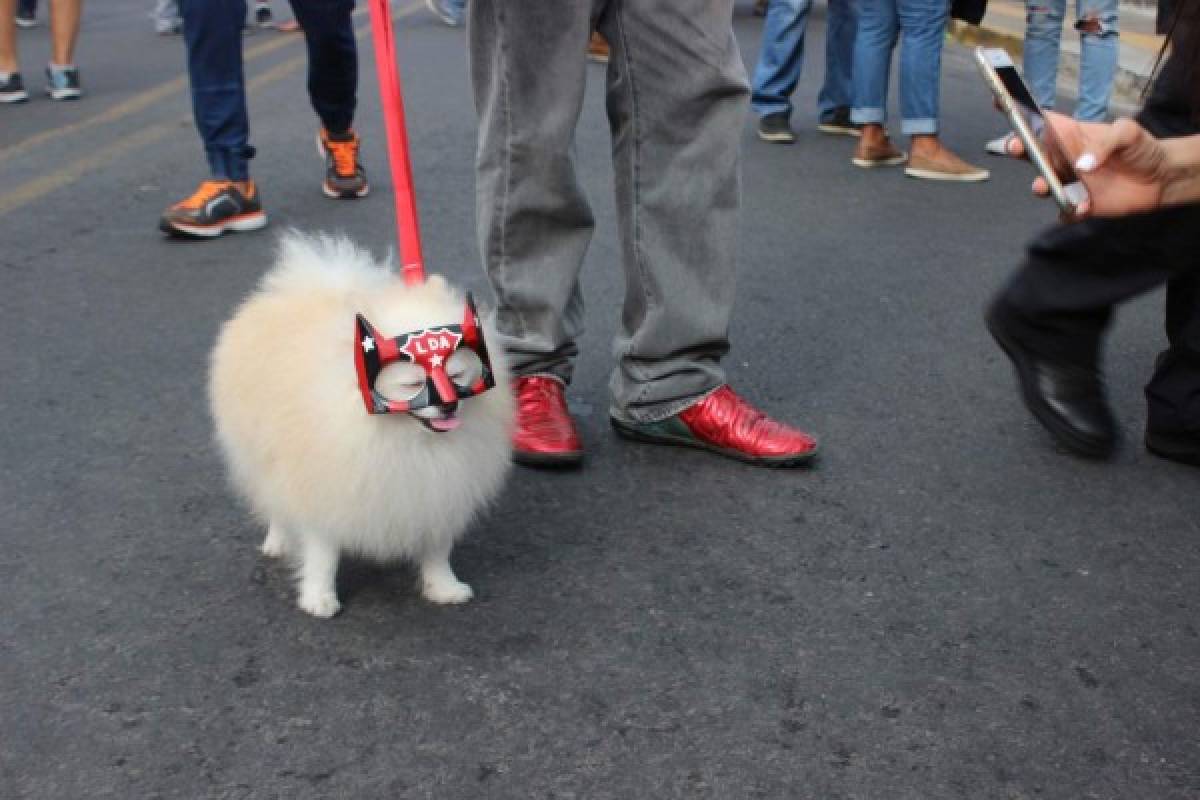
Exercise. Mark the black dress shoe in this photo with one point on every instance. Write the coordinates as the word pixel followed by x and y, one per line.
pixel 1184 449
pixel 1068 400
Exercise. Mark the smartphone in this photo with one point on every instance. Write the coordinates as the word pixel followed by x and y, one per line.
pixel 1028 122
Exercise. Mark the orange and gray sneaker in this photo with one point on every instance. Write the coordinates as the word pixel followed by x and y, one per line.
pixel 344 176
pixel 217 206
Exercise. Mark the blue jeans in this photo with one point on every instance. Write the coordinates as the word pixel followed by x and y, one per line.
pixel 1099 50
pixel 212 30
pixel 781 57
pixel 922 23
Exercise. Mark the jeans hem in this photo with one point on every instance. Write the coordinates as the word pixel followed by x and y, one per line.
pixel 868 116
pixel 661 411
pixel 766 110
pixel 919 127
pixel 232 165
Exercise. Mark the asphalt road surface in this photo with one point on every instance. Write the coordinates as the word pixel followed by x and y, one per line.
pixel 944 607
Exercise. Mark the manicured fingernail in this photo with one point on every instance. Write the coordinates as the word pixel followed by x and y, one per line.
pixel 1086 163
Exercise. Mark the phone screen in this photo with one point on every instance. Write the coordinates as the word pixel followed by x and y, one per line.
pixel 1018 91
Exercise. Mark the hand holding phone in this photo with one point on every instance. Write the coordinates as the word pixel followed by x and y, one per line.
pixel 1029 123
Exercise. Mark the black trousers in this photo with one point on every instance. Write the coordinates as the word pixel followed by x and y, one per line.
pixel 1061 300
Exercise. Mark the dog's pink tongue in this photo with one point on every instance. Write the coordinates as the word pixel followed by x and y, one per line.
pixel 444 424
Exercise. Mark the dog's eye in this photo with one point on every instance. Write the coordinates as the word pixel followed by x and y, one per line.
pixel 464 367
pixel 400 382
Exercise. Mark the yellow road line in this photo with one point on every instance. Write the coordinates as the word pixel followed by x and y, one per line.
pixel 37 188
pixel 64 176
pixel 1144 41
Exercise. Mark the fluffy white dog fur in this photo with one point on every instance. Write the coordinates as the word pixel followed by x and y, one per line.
pixel 325 476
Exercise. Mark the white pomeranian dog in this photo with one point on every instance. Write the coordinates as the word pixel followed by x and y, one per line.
pixel 385 444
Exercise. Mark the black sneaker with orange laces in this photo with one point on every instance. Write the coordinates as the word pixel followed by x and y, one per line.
pixel 215 207
pixel 344 175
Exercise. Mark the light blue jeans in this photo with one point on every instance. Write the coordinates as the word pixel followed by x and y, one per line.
pixel 1098 60
pixel 922 23
pixel 781 57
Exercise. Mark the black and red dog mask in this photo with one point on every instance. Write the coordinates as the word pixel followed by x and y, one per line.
pixel 429 348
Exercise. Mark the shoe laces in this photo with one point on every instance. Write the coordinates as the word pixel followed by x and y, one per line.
pixel 206 191
pixel 345 155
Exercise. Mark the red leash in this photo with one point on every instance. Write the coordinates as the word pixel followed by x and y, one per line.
pixel 407 228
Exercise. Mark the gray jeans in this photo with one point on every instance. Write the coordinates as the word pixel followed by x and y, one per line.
pixel 676 97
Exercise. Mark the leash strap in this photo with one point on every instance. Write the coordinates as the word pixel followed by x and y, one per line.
pixel 408 229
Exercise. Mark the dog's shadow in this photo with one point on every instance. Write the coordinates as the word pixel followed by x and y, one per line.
pixel 369 583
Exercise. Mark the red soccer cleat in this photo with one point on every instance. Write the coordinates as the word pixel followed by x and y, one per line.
pixel 546 435
pixel 726 424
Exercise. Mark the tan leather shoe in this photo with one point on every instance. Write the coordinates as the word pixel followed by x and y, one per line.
pixel 944 166
pixel 598 50
pixel 883 154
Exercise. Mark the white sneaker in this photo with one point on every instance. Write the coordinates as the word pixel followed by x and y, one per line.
pixel 999 145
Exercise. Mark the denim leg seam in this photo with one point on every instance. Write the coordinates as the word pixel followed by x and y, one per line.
pixel 635 183
pixel 506 179
pixel 669 410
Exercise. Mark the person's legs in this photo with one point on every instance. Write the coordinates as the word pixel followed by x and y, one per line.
pixel 878 27
pixel 841 26
pixel 1063 297
pixel 64 30
pixel 332 89
pixel 676 101
pixel 1173 394
pixel 1099 50
pixel 1043 34
pixel 212 30
pixel 229 201
pixel 781 56
pixel 1052 315
pixel 923 28
pixel 528 68
pixel 332 60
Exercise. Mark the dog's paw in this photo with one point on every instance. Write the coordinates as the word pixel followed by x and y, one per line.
pixel 446 592
pixel 271 548
pixel 275 544
pixel 320 604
